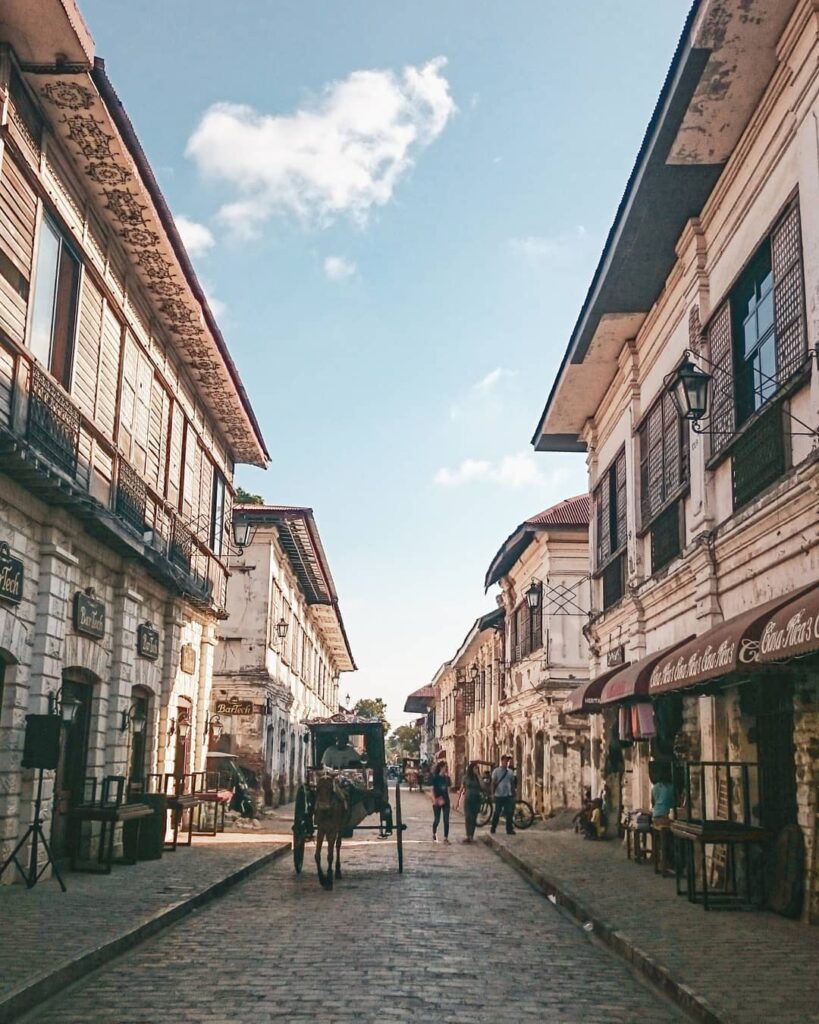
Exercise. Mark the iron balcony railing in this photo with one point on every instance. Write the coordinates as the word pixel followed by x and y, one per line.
pixel 131 498
pixel 180 548
pixel 53 422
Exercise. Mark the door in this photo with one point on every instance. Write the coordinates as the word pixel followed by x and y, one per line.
pixel 183 726
pixel 777 765
pixel 69 781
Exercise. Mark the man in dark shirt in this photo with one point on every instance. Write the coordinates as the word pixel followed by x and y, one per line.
pixel 503 793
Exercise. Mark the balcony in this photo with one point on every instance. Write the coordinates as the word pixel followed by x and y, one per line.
pixel 53 422
pixel 63 458
pixel 131 498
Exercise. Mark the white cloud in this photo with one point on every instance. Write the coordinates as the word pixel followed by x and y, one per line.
pixel 337 268
pixel 492 378
pixel 518 470
pixel 565 250
pixel 482 397
pixel 342 154
pixel 196 237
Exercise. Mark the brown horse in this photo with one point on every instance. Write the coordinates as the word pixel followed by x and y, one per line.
pixel 330 813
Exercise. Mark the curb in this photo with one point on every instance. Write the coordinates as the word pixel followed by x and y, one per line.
pixel 656 973
pixel 26 999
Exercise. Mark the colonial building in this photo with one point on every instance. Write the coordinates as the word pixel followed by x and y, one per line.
pixel 543 572
pixel 704 548
pixel 503 689
pixel 424 701
pixel 121 419
pixel 281 649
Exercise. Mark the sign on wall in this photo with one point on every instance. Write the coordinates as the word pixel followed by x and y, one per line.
pixel 187 659
pixel 616 656
pixel 89 614
pixel 234 707
pixel 148 641
pixel 11 576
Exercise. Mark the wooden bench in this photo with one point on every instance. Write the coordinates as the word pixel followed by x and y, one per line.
pixel 691 838
pixel 109 811
pixel 183 799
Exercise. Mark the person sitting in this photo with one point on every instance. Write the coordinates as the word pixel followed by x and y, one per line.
pixel 594 825
pixel 341 755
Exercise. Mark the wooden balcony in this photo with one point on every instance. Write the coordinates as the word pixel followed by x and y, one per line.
pixel 58 454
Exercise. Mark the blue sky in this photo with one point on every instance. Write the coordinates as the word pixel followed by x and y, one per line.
pixel 396 209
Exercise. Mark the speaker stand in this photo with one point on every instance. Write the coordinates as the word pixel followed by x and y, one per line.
pixel 33 874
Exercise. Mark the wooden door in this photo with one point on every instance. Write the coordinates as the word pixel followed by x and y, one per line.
pixel 69 781
pixel 777 765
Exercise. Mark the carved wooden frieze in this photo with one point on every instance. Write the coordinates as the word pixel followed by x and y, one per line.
pixel 81 119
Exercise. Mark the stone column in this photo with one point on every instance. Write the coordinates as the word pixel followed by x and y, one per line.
pixel 56 565
pixel 127 603
pixel 171 644
pixel 204 685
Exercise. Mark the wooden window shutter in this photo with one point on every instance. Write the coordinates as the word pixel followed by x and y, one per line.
pixel 789 295
pixel 654 458
pixel 723 405
pixel 673 473
pixel 620 485
pixel 601 502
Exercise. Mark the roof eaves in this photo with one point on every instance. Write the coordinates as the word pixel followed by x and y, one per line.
pixel 126 129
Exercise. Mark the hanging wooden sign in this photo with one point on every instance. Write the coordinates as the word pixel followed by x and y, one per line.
pixel 89 614
pixel 187 659
pixel 11 576
pixel 148 641
pixel 616 657
pixel 234 707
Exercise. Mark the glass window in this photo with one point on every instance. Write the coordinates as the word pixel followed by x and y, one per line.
pixel 753 307
pixel 54 314
pixel 217 518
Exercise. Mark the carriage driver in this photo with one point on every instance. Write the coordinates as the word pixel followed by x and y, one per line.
pixel 342 755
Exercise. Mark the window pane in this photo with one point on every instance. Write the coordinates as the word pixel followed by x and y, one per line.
pixel 45 284
pixel 764 372
pixel 750 334
pixel 765 313
pixel 65 316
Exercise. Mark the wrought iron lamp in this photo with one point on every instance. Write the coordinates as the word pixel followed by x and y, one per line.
pixel 242 533
pixel 688 386
pixel 133 716
pixel 183 726
pixel 533 593
pixel 214 727
pixel 474 671
pixel 281 629
pixel 64 706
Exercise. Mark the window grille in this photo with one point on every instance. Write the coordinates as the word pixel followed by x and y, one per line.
pixel 665 537
pixel 758 458
pixel 613 581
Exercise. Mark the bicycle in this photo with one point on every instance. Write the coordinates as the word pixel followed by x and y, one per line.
pixel 523 815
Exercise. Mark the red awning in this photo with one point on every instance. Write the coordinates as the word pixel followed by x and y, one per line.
pixel 730 647
pixel 792 629
pixel 585 699
pixel 632 682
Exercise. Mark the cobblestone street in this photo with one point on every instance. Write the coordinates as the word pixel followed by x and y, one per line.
pixel 458 938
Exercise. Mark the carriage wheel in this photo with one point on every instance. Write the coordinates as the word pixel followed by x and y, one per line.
pixel 301 826
pixel 399 835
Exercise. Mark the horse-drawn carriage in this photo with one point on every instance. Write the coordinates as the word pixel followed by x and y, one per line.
pixel 346 782
pixel 411 769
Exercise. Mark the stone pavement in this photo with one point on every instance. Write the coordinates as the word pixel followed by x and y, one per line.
pixel 48 937
pixel 740 967
pixel 459 938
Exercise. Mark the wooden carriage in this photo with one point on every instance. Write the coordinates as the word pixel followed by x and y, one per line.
pixel 367 781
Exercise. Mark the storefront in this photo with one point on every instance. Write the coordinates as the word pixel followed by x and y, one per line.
pixel 736 710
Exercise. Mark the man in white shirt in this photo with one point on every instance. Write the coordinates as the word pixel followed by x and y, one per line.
pixel 342 755
pixel 503 793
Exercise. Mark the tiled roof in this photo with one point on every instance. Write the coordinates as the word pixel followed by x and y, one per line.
pixel 570 512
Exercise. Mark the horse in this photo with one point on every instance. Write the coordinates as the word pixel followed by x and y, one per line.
pixel 331 811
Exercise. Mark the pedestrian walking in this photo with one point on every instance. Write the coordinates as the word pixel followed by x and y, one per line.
pixel 471 793
pixel 440 783
pixel 503 793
